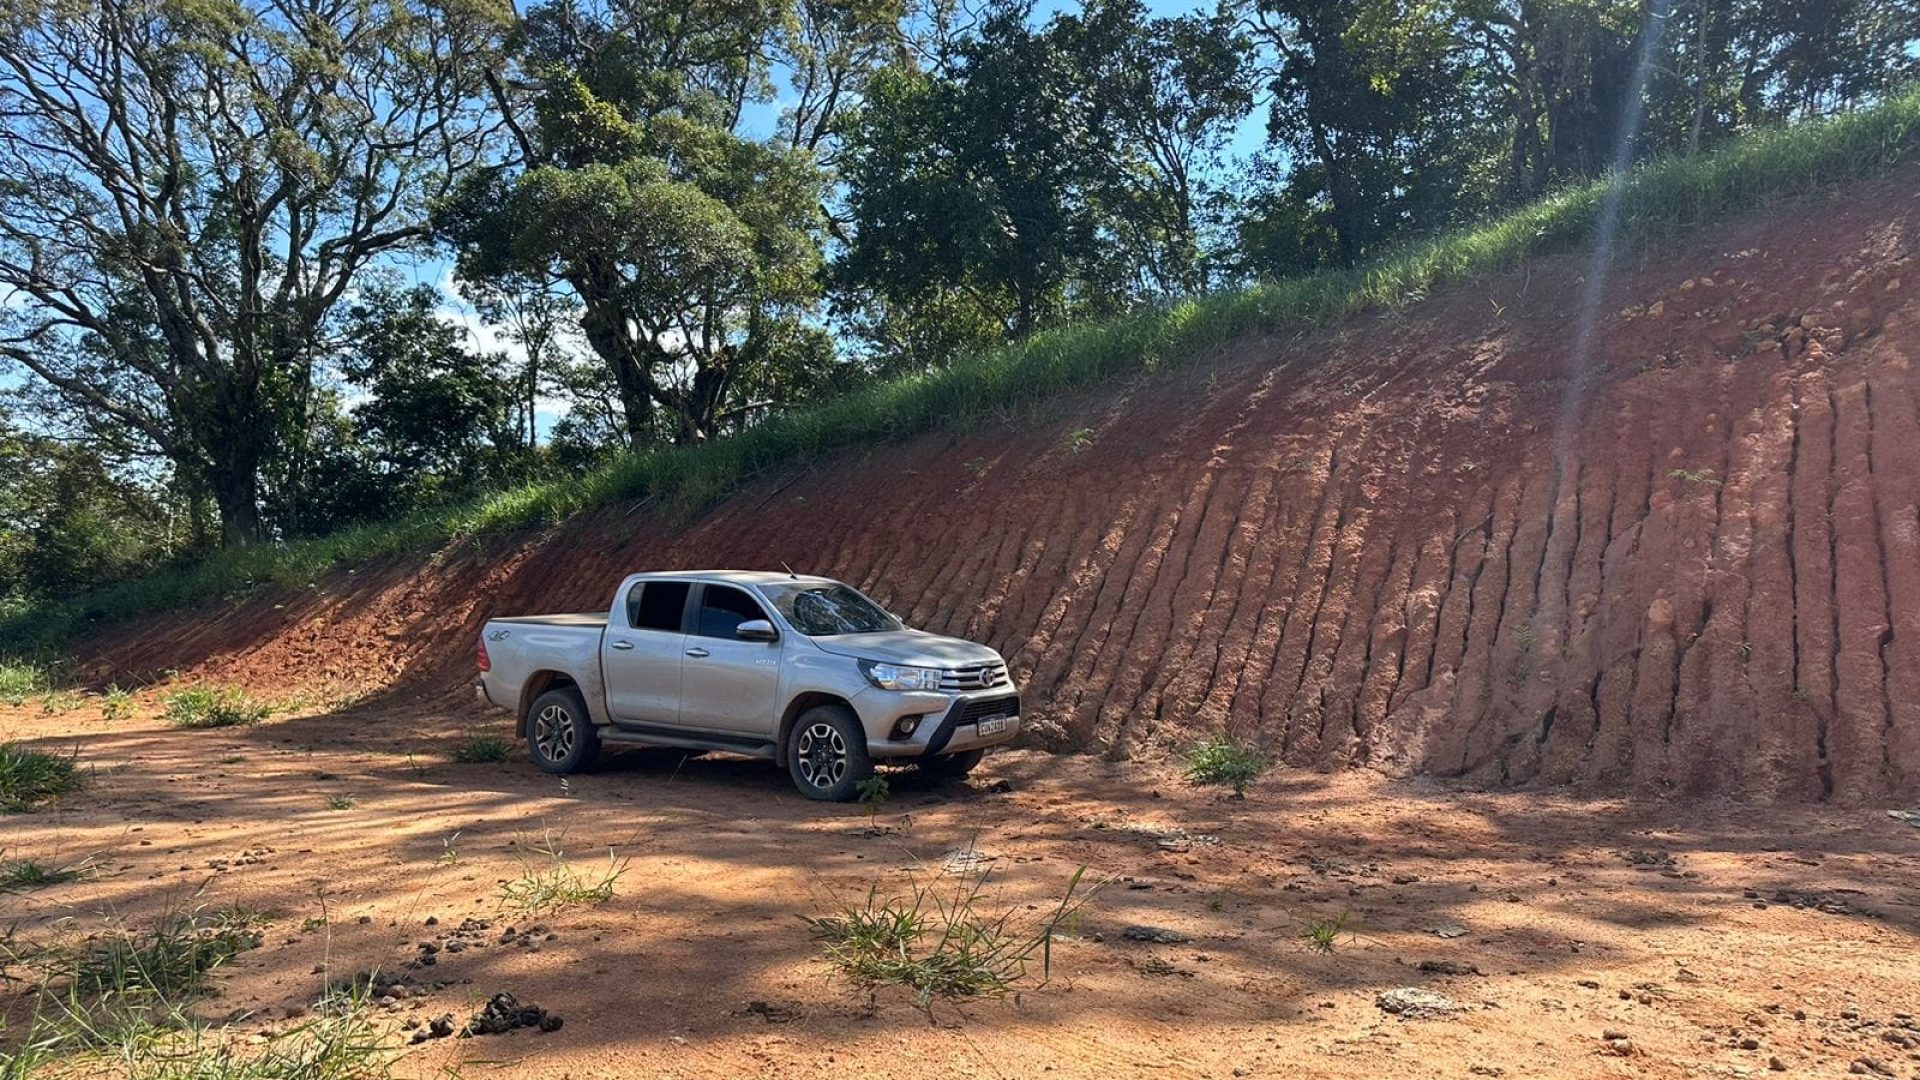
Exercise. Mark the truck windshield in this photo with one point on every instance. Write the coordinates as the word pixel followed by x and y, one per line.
pixel 827 610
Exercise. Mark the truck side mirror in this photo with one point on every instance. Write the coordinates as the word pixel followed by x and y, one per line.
pixel 756 630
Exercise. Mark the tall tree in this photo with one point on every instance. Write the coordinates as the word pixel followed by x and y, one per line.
pixel 192 187
pixel 1371 102
pixel 1030 174
pixel 695 249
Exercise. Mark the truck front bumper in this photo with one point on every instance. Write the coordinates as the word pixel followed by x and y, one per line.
pixel 940 723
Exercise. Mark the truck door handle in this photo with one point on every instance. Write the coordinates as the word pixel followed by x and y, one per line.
pixel 621 645
pixel 696 651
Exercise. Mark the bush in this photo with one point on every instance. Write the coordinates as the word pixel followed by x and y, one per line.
pixel 1222 761
pixel 20 681
pixel 31 777
pixel 214 707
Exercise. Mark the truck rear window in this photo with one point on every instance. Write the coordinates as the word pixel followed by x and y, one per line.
pixel 657 605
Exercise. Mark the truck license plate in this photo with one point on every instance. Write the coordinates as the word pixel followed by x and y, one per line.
pixel 994 725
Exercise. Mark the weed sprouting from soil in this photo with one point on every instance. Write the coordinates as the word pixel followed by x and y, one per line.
pixel 482 750
pixel 20 681
pixel 31 777
pixel 20 874
pixel 1694 477
pixel 214 707
pixel 940 943
pixel 544 885
pixel 1323 935
pixel 116 703
pixel 1220 760
pixel 341 802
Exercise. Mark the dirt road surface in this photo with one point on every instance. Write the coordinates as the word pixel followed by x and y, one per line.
pixel 1577 938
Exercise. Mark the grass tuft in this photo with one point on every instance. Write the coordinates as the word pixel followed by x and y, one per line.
pixel 1656 200
pixel 1323 935
pixel 128 971
pixel 482 750
pixel 116 703
pixel 20 680
pixel 1219 760
pixel 552 883
pixel 19 874
pixel 214 707
pixel 29 778
pixel 939 943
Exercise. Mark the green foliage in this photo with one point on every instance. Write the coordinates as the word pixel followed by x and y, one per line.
pixel 341 802
pixel 1220 760
pixel 117 1004
pixel 19 874
pixel 266 154
pixel 874 791
pixel 940 943
pixel 551 882
pixel 1694 477
pixel 1323 935
pixel 214 707
pixel 483 750
pixel 1656 201
pixel 695 251
pixel 68 522
pixel 164 964
pixel 435 422
pixel 116 703
pixel 1093 134
pixel 20 680
pixel 31 777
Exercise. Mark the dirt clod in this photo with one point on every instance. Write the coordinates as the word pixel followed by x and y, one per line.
pixel 1413 1003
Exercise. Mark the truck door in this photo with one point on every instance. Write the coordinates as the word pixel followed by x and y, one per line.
pixel 727 684
pixel 641 653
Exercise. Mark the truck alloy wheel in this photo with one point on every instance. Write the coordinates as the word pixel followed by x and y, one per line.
pixel 822 760
pixel 560 733
pixel 553 733
pixel 827 753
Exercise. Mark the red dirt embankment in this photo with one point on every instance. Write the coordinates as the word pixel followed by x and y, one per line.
pixel 1356 545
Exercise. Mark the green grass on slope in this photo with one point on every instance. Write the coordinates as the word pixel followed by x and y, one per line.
pixel 1657 198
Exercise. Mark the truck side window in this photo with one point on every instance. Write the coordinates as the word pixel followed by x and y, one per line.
pixel 724 609
pixel 657 605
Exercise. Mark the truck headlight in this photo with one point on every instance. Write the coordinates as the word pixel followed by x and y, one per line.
pixel 896 677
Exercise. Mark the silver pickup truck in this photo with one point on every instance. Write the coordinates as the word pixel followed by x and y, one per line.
pixel 803 670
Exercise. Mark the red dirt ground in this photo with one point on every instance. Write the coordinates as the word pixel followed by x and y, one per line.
pixel 1355 546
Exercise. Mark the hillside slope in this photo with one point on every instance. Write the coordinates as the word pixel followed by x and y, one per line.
pixel 1355 546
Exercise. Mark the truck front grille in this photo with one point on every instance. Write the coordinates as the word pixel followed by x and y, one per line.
pixel 980 677
pixel 979 710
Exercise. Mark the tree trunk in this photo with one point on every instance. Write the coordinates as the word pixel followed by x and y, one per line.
pixel 236 491
pixel 606 329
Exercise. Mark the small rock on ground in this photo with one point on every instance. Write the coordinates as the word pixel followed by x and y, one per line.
pixel 1413 1003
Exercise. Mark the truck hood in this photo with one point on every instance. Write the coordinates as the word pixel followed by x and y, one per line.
pixel 913 648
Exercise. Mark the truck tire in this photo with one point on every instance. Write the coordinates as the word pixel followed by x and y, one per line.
pixel 827 754
pixel 561 737
pixel 950 766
